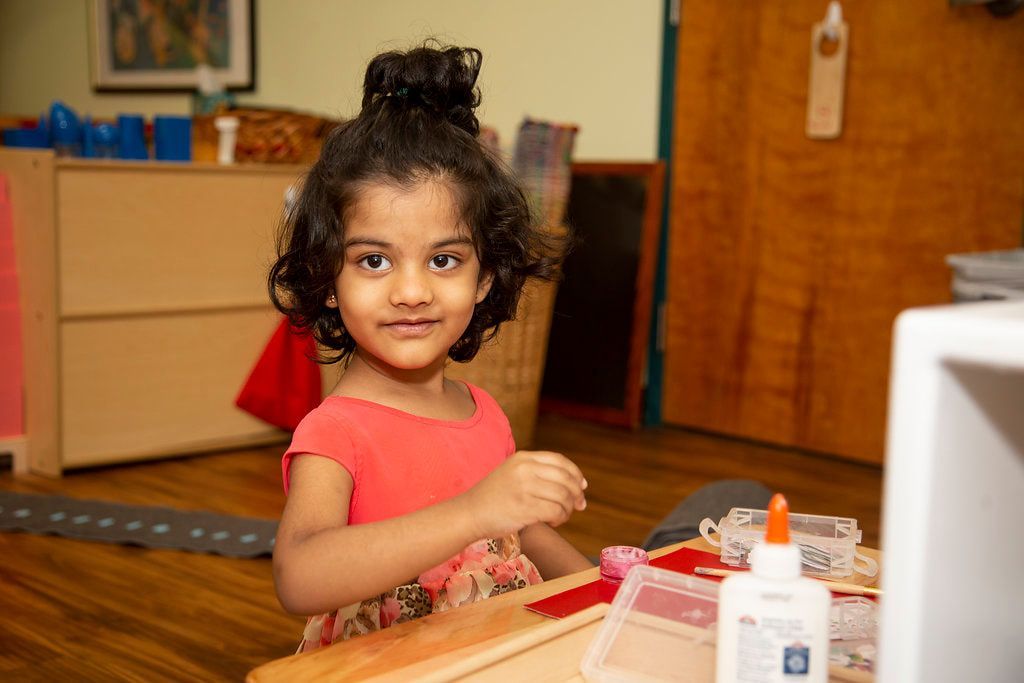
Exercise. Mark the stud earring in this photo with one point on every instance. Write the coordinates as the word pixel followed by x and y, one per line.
pixel 331 299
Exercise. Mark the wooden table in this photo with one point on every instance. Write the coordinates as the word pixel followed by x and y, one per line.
pixel 437 646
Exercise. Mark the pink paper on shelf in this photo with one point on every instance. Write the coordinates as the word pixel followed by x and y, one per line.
pixel 684 560
pixel 11 379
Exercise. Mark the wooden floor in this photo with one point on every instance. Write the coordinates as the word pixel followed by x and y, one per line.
pixel 84 611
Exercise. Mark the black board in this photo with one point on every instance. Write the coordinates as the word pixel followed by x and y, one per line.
pixel 593 366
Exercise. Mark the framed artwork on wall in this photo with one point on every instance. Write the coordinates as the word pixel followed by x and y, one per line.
pixel 157 44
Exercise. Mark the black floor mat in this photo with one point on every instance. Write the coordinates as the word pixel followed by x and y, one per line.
pixel 151 527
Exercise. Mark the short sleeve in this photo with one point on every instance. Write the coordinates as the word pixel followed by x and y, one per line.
pixel 324 435
pixel 496 416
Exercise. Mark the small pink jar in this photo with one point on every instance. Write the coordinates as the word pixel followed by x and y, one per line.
pixel 617 560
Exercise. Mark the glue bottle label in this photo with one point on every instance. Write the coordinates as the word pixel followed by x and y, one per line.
pixel 773 646
pixel 774 638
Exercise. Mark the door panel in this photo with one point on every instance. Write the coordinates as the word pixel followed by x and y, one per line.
pixel 789 258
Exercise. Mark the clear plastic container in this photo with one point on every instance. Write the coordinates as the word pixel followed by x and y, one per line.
pixel 854 618
pixel 828 545
pixel 660 627
pixel 853 634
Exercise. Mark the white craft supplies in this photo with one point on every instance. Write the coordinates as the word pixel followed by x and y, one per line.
pixel 828 545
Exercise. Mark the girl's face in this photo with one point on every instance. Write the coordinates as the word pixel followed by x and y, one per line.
pixel 410 276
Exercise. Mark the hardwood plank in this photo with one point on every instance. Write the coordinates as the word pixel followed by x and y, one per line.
pixel 77 610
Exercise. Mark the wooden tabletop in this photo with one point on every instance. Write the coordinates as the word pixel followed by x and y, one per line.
pixel 429 644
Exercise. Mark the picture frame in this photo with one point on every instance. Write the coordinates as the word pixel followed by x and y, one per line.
pixel 597 350
pixel 156 45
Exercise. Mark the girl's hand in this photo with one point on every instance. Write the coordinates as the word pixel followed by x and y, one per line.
pixel 529 487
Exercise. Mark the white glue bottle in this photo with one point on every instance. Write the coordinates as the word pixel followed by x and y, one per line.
pixel 773 623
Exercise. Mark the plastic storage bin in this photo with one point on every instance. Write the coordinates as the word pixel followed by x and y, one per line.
pixel 854 618
pixel 828 544
pixel 660 627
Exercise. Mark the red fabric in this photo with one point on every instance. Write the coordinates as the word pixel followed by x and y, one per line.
pixel 400 462
pixel 11 378
pixel 285 383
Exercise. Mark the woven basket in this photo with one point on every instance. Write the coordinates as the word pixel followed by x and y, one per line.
pixel 264 136
pixel 511 366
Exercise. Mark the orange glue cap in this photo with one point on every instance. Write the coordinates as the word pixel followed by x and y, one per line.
pixel 778 520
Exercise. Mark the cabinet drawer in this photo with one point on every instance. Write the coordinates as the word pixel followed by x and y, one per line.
pixel 159 385
pixel 161 238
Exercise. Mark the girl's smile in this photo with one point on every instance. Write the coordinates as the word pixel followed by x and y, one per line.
pixel 412 328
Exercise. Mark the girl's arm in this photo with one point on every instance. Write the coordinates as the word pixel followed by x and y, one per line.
pixel 552 554
pixel 321 563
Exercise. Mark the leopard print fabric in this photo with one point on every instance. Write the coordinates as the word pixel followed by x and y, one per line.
pixel 484 569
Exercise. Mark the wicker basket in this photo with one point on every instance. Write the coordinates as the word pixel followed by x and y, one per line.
pixel 264 136
pixel 511 366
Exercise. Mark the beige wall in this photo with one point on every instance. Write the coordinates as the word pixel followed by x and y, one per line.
pixel 592 62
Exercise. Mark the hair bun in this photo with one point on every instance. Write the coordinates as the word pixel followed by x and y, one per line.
pixel 440 80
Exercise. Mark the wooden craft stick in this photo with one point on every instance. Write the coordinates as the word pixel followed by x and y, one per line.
pixel 834 586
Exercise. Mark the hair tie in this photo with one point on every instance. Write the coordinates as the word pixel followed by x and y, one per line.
pixel 402 92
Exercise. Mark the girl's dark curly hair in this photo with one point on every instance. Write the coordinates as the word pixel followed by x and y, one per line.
pixel 417 123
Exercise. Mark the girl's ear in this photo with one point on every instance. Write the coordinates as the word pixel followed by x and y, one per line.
pixel 332 301
pixel 483 286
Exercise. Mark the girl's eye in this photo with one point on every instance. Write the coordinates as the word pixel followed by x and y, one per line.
pixel 374 262
pixel 443 262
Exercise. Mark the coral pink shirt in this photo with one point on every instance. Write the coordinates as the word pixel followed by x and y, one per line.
pixel 400 462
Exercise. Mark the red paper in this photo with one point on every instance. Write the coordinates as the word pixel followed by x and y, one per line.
pixel 285 383
pixel 573 600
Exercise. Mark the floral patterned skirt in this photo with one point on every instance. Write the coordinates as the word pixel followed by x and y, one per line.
pixel 486 568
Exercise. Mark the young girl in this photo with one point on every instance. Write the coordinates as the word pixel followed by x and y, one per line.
pixel 409 245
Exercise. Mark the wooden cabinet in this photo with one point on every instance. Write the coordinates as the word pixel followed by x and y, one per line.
pixel 144 303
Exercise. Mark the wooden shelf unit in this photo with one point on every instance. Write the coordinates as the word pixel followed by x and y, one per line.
pixel 144 304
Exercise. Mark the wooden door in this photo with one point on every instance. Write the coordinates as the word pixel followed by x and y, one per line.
pixel 790 258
